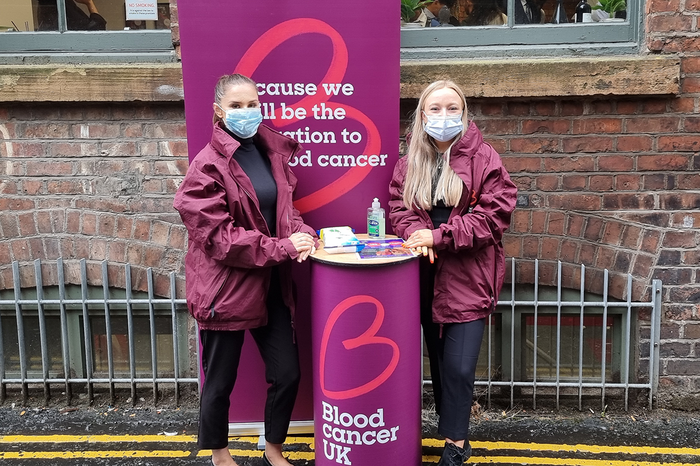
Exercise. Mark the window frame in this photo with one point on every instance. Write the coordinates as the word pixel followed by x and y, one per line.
pixel 525 40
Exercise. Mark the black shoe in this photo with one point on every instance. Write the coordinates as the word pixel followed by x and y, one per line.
pixel 453 455
pixel 266 462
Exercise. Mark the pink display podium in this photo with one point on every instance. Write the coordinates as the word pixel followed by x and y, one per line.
pixel 366 351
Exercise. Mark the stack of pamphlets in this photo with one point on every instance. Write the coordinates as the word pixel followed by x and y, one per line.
pixel 383 248
pixel 339 239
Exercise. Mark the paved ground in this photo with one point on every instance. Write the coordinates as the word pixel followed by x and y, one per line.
pixel 143 435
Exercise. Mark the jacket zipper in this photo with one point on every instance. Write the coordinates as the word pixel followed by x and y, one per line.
pixel 212 310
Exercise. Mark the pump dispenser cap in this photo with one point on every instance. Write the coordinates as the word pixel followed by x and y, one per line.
pixel 375 204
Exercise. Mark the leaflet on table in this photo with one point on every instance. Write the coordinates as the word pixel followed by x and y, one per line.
pixel 383 248
pixel 337 240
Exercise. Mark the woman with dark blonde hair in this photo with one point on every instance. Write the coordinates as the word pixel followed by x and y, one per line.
pixel 243 233
pixel 451 200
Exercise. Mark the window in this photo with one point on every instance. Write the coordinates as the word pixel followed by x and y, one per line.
pixel 492 28
pixel 81 27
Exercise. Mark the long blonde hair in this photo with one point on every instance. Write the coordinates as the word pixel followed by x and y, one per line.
pixel 423 163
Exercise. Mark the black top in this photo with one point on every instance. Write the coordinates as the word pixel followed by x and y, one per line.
pixel 257 167
pixel 440 213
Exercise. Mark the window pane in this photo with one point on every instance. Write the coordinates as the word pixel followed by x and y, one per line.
pixel 88 15
pixel 22 15
pixel 593 351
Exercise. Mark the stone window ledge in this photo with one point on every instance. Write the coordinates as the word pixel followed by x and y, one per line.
pixel 535 77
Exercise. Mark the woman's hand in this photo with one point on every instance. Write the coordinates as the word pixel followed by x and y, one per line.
pixel 421 241
pixel 304 244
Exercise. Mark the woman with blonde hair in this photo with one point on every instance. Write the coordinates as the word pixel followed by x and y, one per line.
pixel 451 200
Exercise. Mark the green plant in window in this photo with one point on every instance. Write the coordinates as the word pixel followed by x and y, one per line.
pixel 611 6
pixel 409 7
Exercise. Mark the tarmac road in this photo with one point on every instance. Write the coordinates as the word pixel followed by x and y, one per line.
pixel 149 436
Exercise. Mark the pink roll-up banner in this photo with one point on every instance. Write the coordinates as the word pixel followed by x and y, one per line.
pixel 367 364
pixel 328 76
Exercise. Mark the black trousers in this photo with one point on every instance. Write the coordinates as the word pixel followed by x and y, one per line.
pixel 220 357
pixel 453 357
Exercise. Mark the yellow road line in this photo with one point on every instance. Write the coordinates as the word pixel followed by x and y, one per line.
pixel 581 448
pixel 522 460
pixel 96 438
pixel 94 454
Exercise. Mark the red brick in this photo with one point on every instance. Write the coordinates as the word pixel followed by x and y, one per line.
pixel 569 251
pixel 600 183
pixel 628 182
pixel 550 249
pixel 690 85
pixel 571 108
pixel 690 65
pixel 627 107
pixel 153 256
pixel 20 250
pixel 587 253
pixel 498 126
pixel 98 249
pixel 523 183
pixel 178 149
pixel 691 125
pixel 538 221
pixel 517 108
pixel 120 149
pixel 574 201
pixel 653 125
pixel 43 221
pixel 64 187
pixel 512 247
pixel 655 182
pixel 588 144
pixel 142 230
pixel 520 221
pixel 574 182
pixel 634 143
pixel 655 6
pixel 134 253
pixel 544 108
pixel 491 109
pixel 612 233
pixel 675 23
pixel 522 164
pixel 680 239
pixel 569 164
pixel 555 223
pixel 46 130
pixel 26 224
pixel 683 105
pixel 5 257
pixel 178 237
pixel 153 186
pixel 605 258
pixel 575 225
pixel 31 187
pixel 642 265
pixel 650 241
pixel 531 247
pixel 28 149
pixel 151 148
pixel 8 187
pixel 691 257
pixel 105 224
pixel 547 182
pixel 664 162
pixel 601 107
pixel 534 145
pixel 689 181
pixel 692 5
pixel 597 125
pixel 67 149
pixel 593 229
pixel 52 168
pixel 617 201
pixel 9 225
pixel 89 224
pixel 546 126
pixel 499 145
pixel 159 233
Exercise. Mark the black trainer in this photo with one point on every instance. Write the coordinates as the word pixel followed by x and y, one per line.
pixel 453 455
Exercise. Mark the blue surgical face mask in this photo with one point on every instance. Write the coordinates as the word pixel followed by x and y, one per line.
pixel 243 122
pixel 443 127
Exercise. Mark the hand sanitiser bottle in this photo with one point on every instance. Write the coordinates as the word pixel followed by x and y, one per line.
pixel 375 220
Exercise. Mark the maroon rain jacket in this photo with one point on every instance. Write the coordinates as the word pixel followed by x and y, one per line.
pixel 227 267
pixel 470 266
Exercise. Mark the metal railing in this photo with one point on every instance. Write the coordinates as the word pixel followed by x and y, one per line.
pixel 77 356
pixel 553 385
pixel 76 340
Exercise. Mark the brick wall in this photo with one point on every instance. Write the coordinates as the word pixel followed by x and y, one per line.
pixel 611 183
pixel 95 182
